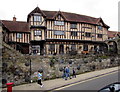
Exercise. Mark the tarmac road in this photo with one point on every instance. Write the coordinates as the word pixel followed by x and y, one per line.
pixel 93 84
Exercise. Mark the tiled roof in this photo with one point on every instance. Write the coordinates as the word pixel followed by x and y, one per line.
pixel 112 34
pixel 16 26
pixel 72 17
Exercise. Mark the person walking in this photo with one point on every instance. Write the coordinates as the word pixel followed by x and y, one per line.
pixel 64 73
pixel 39 75
pixel 74 73
pixel 67 70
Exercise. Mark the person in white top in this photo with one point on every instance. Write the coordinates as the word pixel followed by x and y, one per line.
pixel 39 75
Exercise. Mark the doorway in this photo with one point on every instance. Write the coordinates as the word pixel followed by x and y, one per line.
pixel 61 49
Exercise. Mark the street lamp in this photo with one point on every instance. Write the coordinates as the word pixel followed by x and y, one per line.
pixel 30 68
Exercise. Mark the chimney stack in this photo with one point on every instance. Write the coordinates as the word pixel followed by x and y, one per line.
pixel 14 18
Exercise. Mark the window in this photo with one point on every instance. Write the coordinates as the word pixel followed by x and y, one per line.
pixel 85 47
pixel 73 25
pixel 37 18
pixel 59 33
pixel 35 49
pixel 99 35
pixel 37 33
pixel 99 27
pixel 52 47
pixel 59 23
pixel 88 34
pixel 73 33
pixel 19 35
pixel 73 47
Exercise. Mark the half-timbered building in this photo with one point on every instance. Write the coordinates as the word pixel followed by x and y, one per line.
pixel 57 32
pixel 18 35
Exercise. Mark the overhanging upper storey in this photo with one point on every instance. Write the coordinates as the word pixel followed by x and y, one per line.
pixel 36 18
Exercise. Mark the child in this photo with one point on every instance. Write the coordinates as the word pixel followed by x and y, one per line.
pixel 39 75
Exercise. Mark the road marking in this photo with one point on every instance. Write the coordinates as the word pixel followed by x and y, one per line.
pixel 84 81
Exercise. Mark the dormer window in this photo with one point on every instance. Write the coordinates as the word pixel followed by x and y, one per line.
pixel 59 23
pixel 37 18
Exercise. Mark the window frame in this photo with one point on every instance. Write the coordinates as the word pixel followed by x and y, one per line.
pixel 52 47
pixel 59 23
pixel 74 33
pixel 100 27
pixel 86 34
pixel 73 25
pixel 37 33
pixel 85 47
pixel 19 35
pixel 73 47
pixel 62 32
pixel 37 18
pixel 100 35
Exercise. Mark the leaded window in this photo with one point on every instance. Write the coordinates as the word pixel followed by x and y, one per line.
pixel 37 33
pixel 73 47
pixel 100 28
pixel 99 35
pixel 88 34
pixel 37 18
pixel 59 23
pixel 73 33
pixel 52 47
pixel 19 35
pixel 73 25
pixel 59 33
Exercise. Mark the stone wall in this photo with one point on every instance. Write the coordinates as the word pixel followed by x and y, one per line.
pixel 16 67
pixel 12 65
pixel 85 64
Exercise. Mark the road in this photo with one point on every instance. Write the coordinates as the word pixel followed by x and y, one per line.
pixel 92 84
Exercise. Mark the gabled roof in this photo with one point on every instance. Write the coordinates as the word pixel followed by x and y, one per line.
pixel 16 26
pixel 36 10
pixel 112 34
pixel 71 17
pixel 59 13
pixel 100 20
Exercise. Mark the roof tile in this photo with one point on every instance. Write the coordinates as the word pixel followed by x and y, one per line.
pixel 16 26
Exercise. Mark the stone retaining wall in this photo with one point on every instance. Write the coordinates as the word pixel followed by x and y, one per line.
pixel 16 67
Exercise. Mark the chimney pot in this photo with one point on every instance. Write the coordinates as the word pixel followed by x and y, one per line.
pixel 14 18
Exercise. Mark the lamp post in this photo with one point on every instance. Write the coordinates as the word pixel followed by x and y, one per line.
pixel 30 69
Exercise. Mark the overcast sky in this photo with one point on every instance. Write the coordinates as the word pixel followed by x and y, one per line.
pixel 106 9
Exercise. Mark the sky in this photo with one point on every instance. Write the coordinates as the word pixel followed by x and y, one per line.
pixel 106 9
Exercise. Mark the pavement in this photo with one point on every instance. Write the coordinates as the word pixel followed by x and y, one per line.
pixel 57 83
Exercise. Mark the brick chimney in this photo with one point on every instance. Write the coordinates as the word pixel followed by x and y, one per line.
pixel 14 18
